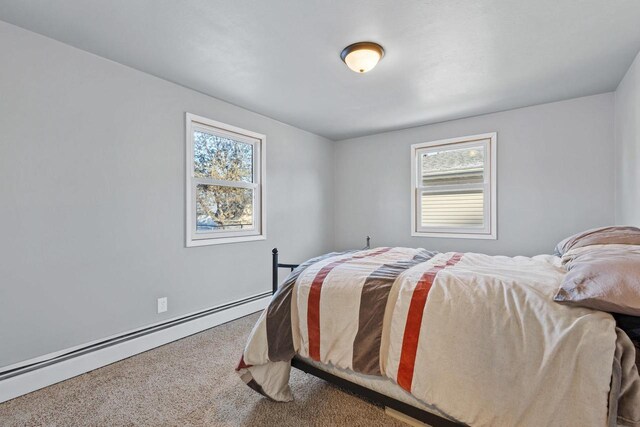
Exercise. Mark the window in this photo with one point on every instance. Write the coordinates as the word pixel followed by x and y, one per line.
pixel 225 183
pixel 454 188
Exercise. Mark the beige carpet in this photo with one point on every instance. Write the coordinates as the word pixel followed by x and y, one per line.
pixel 190 382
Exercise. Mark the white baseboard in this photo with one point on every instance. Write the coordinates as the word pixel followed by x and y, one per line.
pixel 42 377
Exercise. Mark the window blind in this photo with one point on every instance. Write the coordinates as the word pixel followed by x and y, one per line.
pixel 457 209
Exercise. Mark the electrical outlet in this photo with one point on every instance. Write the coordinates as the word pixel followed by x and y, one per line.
pixel 162 304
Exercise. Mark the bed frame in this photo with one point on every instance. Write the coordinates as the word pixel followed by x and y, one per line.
pixel 353 388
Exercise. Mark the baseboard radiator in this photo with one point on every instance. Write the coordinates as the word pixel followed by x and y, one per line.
pixel 17 380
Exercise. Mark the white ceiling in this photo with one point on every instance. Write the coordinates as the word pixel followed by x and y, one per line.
pixel 445 59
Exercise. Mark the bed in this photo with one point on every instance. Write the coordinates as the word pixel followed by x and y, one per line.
pixel 446 338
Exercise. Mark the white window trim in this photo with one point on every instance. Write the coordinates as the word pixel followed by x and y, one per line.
pixel 194 239
pixel 491 207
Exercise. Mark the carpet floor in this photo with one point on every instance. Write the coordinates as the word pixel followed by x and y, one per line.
pixel 190 382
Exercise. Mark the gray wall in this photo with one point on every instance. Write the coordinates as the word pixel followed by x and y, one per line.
pixel 555 177
pixel 627 130
pixel 92 189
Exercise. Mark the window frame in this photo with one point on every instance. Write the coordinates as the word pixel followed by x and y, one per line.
pixel 489 186
pixel 258 142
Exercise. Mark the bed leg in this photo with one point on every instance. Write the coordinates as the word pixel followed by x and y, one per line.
pixel 274 270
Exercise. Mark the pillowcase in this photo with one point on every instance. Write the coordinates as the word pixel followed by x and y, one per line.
pixel 618 235
pixel 605 277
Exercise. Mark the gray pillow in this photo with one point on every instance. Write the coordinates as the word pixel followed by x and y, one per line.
pixel 603 278
pixel 618 235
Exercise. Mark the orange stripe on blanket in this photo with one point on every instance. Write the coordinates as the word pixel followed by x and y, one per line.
pixel 313 304
pixel 414 322
pixel 242 365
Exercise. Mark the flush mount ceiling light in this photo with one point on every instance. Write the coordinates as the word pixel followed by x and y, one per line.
pixel 362 56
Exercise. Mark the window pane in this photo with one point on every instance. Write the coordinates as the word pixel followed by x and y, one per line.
pixel 220 208
pixel 221 158
pixel 453 166
pixel 459 209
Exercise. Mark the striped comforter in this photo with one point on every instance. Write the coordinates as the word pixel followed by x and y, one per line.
pixel 476 336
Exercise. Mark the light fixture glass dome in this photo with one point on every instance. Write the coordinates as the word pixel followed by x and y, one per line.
pixel 363 56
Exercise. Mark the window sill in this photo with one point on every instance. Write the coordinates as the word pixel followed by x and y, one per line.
pixel 224 240
pixel 455 235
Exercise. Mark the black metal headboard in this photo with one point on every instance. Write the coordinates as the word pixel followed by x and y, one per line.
pixel 275 265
